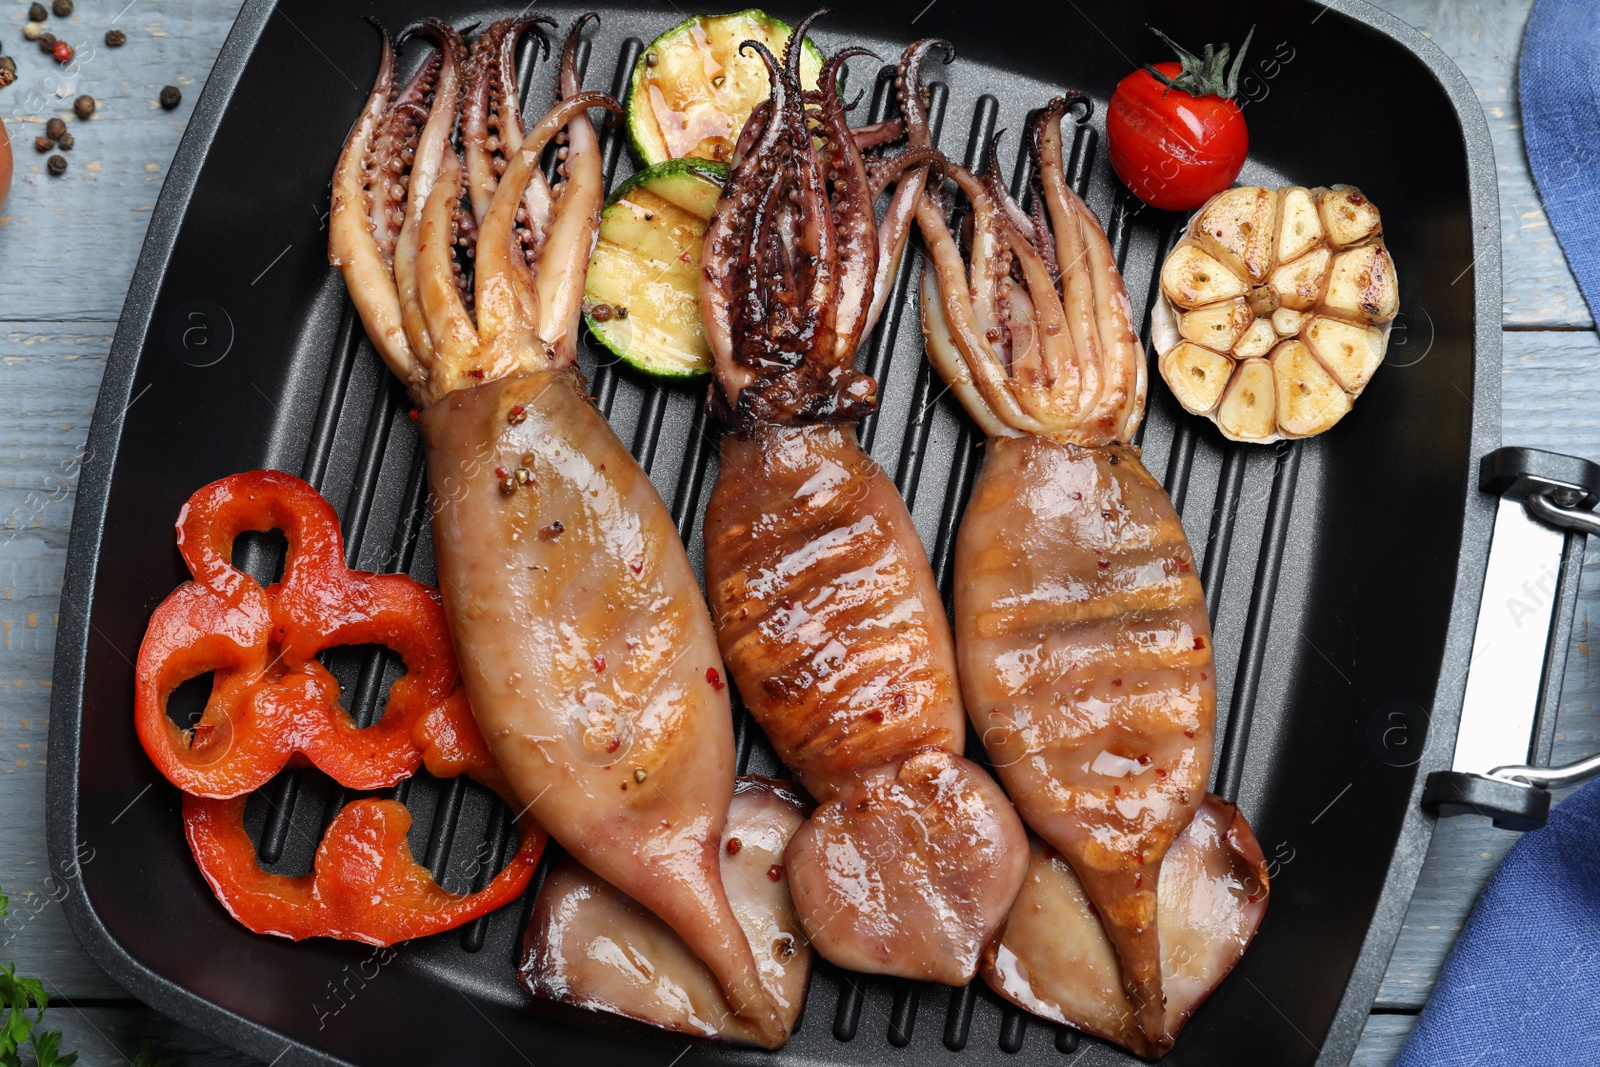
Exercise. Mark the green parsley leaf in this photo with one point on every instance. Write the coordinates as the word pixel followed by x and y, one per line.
pixel 20 996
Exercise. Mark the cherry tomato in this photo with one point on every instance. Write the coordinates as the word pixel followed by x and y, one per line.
pixel 1175 133
pixel 1174 150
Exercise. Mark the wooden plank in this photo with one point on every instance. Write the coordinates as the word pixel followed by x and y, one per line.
pixel 113 1036
pixel 49 372
pixel 1381 1040
pixel 79 235
pixel 1483 39
pixel 1465 851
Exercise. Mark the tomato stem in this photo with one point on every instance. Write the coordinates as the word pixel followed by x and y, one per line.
pixel 1208 74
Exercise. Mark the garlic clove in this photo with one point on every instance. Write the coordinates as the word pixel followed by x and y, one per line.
pixel 1190 278
pixel 1348 217
pixel 1247 411
pixel 1237 228
pixel 1288 322
pixel 1197 376
pixel 1350 352
pixel 1256 341
pixel 1308 399
pixel 1362 284
pixel 1299 283
pixel 1216 326
pixel 1299 227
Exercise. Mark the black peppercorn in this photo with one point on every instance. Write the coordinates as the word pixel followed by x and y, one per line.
pixel 7 74
pixel 116 38
pixel 65 142
pixel 57 165
pixel 8 64
pixel 54 129
pixel 61 8
pixel 43 144
pixel 170 97
pixel 47 42
pixel 37 13
pixel 84 106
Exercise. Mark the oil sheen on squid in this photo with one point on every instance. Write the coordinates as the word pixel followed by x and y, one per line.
pixel 585 645
pixel 1081 629
pixel 827 612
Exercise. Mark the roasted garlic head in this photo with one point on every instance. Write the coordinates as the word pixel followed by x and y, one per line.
pixel 1276 308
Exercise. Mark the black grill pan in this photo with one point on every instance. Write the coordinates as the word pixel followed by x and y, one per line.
pixel 1341 573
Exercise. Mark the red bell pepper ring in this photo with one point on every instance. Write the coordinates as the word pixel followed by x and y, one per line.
pixel 451 745
pixel 271 701
pixel 364 884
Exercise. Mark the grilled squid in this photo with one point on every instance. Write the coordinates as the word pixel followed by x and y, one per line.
pixel 591 946
pixel 827 612
pixel 586 648
pixel 1055 960
pixel 1081 630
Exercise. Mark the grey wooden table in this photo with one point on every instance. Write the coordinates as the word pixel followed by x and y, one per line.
pixel 68 246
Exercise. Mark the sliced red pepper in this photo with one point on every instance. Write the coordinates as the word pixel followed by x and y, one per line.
pixel 451 745
pixel 271 700
pixel 273 703
pixel 364 884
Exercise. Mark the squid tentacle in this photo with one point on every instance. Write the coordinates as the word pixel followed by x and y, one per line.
pixel 796 266
pixel 754 127
pixel 956 344
pixel 1038 306
pixel 995 183
pixel 355 244
pixel 877 134
pixel 491 118
pixel 1097 299
pixel 728 244
pixel 794 47
pixel 854 223
pixel 1077 283
pixel 510 304
pixel 895 228
pixel 574 220
pixel 449 325
pixel 764 296
pixel 431 145
pixel 884 173
pixel 393 151
pixel 402 233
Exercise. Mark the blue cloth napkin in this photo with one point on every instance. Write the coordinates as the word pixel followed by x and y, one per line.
pixel 1560 93
pixel 1522 985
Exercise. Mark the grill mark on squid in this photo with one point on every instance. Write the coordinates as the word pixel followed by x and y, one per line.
pixel 813 571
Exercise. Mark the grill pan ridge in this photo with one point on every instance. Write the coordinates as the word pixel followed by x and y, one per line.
pixel 1340 572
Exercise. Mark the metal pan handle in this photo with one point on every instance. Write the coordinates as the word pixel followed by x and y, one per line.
pixel 1519 650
